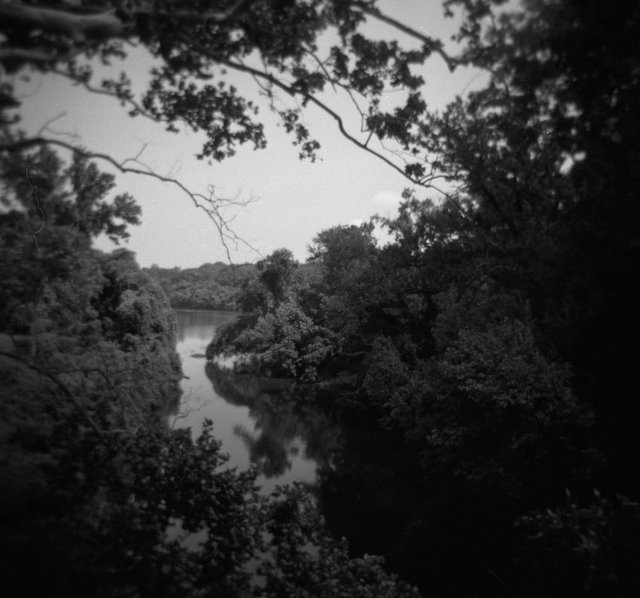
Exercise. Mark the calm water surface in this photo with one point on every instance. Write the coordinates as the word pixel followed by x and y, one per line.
pixel 257 420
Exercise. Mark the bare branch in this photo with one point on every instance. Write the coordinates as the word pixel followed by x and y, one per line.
pixel 186 413
pixel 136 158
pixel 124 100
pixel 45 126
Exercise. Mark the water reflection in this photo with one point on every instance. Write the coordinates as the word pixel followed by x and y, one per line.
pixel 272 423
pixel 287 426
pixel 194 325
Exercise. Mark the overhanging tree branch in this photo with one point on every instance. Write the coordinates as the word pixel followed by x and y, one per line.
pixel 54 31
pixel 322 106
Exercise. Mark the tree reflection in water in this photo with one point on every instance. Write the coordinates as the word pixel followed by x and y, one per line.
pixel 367 485
pixel 289 424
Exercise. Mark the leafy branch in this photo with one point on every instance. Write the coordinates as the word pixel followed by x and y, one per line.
pixel 309 98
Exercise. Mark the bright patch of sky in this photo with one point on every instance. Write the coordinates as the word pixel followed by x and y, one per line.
pixel 290 200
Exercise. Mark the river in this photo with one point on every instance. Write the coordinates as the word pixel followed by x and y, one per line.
pixel 257 420
pixel 365 484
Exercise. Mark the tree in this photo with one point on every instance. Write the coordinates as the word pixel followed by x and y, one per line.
pixel 276 275
pixel 53 214
pixel 547 154
pixel 593 547
pixel 343 252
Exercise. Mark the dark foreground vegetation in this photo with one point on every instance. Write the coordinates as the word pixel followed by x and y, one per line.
pixel 486 356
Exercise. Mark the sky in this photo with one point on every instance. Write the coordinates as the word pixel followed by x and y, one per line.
pixel 290 200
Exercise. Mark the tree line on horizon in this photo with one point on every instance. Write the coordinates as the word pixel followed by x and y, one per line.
pixel 211 286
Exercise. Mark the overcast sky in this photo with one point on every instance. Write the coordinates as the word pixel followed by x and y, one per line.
pixel 293 200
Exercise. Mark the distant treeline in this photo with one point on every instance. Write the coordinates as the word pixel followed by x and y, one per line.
pixel 211 286
pixel 217 286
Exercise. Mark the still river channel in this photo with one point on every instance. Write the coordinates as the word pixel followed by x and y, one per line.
pixel 257 420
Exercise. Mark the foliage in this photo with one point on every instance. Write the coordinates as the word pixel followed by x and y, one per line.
pixel 589 549
pixel 277 338
pixel 276 276
pixel 211 286
pixel 283 343
pixel 493 410
pixel 298 346
pixel 115 505
pixel 305 561
pixel 219 286
pixel 385 378
pixel 342 252
pixel 51 216
pixel 549 152
pixel 73 197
